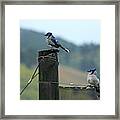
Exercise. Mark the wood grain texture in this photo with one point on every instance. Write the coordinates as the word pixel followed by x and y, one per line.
pixel 48 75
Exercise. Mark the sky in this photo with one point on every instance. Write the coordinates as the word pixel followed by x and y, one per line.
pixel 75 31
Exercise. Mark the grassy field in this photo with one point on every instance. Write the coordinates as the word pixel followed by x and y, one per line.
pixel 31 92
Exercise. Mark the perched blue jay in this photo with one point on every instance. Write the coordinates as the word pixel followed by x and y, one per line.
pixel 93 81
pixel 92 78
pixel 53 42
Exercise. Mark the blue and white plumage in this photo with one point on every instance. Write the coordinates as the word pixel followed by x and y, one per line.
pixel 52 41
pixel 92 78
pixel 93 81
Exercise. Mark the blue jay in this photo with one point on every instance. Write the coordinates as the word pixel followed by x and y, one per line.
pixel 93 81
pixel 92 78
pixel 53 42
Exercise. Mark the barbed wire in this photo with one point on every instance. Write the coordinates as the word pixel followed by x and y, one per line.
pixel 63 83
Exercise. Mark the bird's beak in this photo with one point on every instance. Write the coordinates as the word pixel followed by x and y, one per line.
pixel 88 70
pixel 45 34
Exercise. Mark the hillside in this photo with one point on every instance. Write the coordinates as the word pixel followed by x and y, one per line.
pixel 81 57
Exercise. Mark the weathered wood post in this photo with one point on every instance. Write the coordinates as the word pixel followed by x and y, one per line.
pixel 48 74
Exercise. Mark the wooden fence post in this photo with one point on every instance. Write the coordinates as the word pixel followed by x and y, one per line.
pixel 48 74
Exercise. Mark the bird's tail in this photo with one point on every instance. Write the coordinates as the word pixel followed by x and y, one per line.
pixel 64 49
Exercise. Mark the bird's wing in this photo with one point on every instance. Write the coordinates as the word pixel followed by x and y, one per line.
pixel 57 44
pixel 53 39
